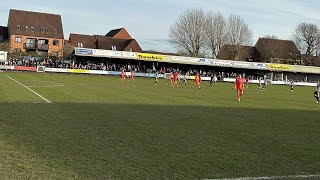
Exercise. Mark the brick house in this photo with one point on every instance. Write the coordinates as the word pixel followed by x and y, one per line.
pixel 118 39
pixel 37 32
pixel 278 51
pixel 120 33
pixel 265 50
pixel 239 53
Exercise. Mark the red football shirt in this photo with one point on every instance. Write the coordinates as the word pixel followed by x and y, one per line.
pixel 239 83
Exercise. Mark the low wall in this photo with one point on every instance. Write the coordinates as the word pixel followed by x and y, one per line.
pixel 117 73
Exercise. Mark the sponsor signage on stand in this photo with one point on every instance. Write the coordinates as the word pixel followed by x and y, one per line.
pixel 150 57
pixel 260 65
pixel 81 71
pixel 58 70
pixel 83 51
pixel 24 68
pixel 279 67
pixel 129 55
pixel 7 67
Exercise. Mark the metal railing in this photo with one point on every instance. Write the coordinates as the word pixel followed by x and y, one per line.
pixel 36 46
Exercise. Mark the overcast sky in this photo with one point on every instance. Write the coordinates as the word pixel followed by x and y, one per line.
pixel 148 21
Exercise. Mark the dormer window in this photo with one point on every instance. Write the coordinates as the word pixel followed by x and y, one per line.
pixel 55 30
pixel 32 29
pixel 18 27
pixel 27 28
pixel 114 48
pixel 80 45
pixel 42 29
pixel 47 30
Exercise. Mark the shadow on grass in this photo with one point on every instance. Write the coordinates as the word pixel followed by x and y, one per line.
pixel 116 141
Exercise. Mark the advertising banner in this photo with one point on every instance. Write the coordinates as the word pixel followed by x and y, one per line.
pixel 117 54
pixel 7 67
pixel 41 68
pixel 150 57
pixel 58 70
pixel 98 72
pixel 222 63
pixel 114 73
pixel 83 52
pixel 260 65
pixel 101 53
pixel 129 55
pixel 24 68
pixel 82 71
pixel 242 65
pixel 204 61
pixel 279 67
pixel 183 60
pixel 3 55
pixel 149 75
pixel 191 77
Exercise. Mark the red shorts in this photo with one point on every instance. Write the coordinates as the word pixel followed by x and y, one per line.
pixel 239 89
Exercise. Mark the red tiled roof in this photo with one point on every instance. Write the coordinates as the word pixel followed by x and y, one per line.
pixel 120 33
pixel 88 41
pixel 40 22
pixel 107 43
pixel 276 48
pixel 103 42
pixel 228 52
pixel 113 32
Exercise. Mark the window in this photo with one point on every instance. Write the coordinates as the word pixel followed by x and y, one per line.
pixel 18 27
pixel 27 28
pixel 31 41
pixel 130 49
pixel 47 30
pixel 18 39
pixel 114 48
pixel 32 29
pixel 80 45
pixel 55 30
pixel 42 41
pixel 56 42
pixel 42 29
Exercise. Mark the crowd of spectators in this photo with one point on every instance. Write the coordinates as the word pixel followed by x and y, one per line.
pixel 34 62
pixel 113 66
pixel 154 67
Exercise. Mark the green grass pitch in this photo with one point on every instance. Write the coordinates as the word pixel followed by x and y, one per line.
pixel 97 128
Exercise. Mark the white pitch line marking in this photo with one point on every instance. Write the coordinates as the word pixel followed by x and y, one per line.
pixel 23 102
pixel 30 90
pixel 59 85
pixel 274 177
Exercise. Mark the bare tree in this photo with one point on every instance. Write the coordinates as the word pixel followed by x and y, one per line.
pixel 216 30
pixel 187 33
pixel 239 34
pixel 271 36
pixel 307 38
pixel 4 46
pixel 67 51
